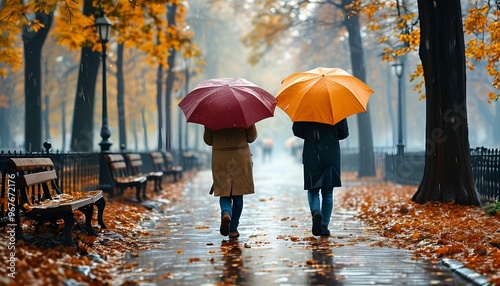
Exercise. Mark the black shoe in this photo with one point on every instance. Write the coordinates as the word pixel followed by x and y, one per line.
pixel 224 224
pixel 324 231
pixel 317 218
pixel 234 234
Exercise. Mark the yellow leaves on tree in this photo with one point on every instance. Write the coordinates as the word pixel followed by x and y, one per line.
pixel 267 30
pixel 483 24
pixel 141 24
pixel 73 29
pixel 13 16
pixel 397 26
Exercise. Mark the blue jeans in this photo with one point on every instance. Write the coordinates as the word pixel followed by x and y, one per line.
pixel 324 207
pixel 233 205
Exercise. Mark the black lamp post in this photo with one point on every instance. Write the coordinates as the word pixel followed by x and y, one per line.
pixel 398 70
pixel 103 26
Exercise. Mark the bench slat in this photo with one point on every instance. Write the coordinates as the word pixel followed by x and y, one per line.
pixel 24 164
pixel 136 163
pixel 71 206
pixel 38 178
pixel 134 160
pixel 37 183
pixel 114 157
pixel 163 161
pixel 134 157
pixel 120 172
pixel 118 165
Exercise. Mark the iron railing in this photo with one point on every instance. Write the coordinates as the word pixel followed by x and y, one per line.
pixel 75 171
pixel 407 170
pixel 485 164
pixel 486 172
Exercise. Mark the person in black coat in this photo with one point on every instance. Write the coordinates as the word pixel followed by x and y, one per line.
pixel 321 160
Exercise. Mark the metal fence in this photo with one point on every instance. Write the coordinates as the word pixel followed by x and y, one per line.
pixel 485 164
pixel 80 171
pixel 407 171
pixel 75 171
pixel 486 172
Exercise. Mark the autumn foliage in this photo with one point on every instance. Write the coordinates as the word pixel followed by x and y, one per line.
pixel 396 24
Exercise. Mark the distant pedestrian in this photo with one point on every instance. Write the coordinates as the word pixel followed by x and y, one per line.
pixel 321 160
pixel 231 172
pixel 267 149
pixel 295 146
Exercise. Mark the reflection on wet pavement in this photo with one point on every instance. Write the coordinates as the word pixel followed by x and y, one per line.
pixel 275 246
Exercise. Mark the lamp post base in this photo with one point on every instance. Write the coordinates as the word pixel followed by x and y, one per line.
pixel 105 182
pixel 105 145
pixel 401 150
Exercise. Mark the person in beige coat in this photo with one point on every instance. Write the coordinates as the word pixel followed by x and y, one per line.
pixel 231 172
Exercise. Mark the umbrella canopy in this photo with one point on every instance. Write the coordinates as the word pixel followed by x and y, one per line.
pixel 227 103
pixel 325 95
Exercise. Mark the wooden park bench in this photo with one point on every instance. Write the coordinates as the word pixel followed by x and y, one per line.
pixel 135 164
pixel 40 199
pixel 163 162
pixel 123 179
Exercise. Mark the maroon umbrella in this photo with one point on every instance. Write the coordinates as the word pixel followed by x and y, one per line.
pixel 227 103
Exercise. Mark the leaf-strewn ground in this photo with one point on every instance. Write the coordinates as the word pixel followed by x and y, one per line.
pixel 433 230
pixel 95 260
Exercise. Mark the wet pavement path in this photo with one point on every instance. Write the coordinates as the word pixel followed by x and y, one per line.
pixel 275 246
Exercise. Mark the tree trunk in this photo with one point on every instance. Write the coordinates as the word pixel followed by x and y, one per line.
pixel 120 97
pixel 172 10
pixel 6 111
pixel 46 118
pixel 391 117
pixel 496 127
pixel 168 99
pixel 159 92
pixel 46 103
pixel 63 125
pixel 135 135
pixel 366 159
pixel 82 132
pixel 447 174
pixel 144 128
pixel 33 43
pixel 5 136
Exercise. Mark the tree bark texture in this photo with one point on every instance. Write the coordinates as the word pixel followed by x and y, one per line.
pixel 159 105
pixel 366 158
pixel 82 134
pixel 33 43
pixel 120 97
pixel 447 174
pixel 172 10
pixel 6 108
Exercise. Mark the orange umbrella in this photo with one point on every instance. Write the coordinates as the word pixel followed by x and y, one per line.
pixel 325 95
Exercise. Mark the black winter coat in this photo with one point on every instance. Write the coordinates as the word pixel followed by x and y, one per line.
pixel 321 152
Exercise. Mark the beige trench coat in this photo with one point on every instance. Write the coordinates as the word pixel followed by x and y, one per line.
pixel 231 160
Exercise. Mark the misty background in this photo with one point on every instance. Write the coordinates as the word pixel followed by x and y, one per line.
pixel 218 32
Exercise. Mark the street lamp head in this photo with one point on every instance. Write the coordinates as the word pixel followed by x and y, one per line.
pixel 398 67
pixel 103 25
